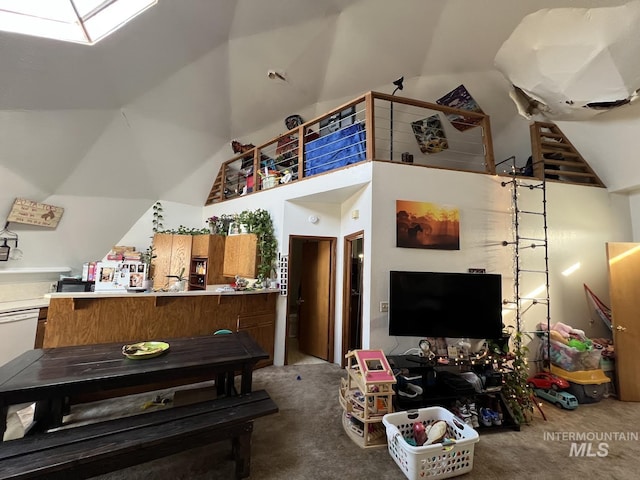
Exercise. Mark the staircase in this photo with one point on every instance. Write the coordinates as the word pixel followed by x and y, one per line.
pixel 555 158
pixel 216 193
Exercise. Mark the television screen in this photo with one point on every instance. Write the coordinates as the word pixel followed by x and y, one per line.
pixel 438 304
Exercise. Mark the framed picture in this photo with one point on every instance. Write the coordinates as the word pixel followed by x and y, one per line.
pixel 427 225
pixel 337 121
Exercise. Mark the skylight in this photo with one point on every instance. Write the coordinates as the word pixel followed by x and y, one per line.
pixel 79 21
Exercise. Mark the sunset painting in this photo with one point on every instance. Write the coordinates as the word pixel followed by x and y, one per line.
pixel 427 225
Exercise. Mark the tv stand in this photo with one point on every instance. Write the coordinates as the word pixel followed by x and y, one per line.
pixel 443 387
pixel 425 362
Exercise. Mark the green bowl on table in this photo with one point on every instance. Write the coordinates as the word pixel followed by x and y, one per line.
pixel 140 350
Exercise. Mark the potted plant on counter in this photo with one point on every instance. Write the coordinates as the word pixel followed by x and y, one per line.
pixel 180 284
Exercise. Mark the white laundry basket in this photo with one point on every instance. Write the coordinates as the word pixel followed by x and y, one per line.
pixel 431 461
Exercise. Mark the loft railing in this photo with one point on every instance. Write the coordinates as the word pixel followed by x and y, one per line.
pixel 374 126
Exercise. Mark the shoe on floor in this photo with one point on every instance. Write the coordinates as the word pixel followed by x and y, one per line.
pixel 495 418
pixel 410 390
pixel 486 418
pixel 471 407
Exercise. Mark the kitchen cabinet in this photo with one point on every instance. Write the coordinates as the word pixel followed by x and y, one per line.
pixel 207 258
pixel 262 329
pixel 40 328
pixel 87 318
pixel 241 256
pixel 173 254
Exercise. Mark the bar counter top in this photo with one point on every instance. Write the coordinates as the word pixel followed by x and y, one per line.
pixel 86 318
pixel 211 290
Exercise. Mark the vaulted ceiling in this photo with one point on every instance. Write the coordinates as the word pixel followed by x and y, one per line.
pixel 148 113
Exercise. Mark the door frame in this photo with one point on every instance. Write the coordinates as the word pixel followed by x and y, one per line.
pixel 332 292
pixel 346 290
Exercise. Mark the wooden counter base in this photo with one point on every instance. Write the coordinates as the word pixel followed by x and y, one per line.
pixel 92 319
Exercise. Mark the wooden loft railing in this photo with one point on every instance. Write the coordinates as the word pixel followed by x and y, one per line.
pixel 373 126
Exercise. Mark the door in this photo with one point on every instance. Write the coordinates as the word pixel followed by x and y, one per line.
pixel 624 281
pixel 314 324
pixel 352 293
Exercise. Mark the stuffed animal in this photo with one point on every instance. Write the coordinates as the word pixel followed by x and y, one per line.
pixel 567 331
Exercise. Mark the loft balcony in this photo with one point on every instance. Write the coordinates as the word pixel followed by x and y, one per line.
pixel 382 127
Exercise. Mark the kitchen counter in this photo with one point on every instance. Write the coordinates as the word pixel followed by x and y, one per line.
pixel 87 318
pixel 211 290
pixel 17 305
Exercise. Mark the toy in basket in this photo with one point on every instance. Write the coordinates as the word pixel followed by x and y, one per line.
pixel 451 457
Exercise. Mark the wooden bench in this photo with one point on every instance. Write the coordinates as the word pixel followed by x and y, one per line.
pixel 89 450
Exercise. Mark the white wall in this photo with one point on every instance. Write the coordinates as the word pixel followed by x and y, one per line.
pixel 634 202
pixel 580 221
pixel 329 197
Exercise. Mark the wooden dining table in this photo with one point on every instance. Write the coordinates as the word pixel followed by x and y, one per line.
pixel 48 377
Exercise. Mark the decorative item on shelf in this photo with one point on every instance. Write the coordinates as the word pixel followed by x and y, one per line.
pixel 270 178
pixel 219 225
pixel 240 283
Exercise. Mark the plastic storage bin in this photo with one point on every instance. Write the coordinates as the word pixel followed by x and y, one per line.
pixel 430 461
pixel 572 359
pixel 588 386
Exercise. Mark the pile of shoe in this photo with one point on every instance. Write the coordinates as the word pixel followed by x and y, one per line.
pixel 490 417
pixel 466 412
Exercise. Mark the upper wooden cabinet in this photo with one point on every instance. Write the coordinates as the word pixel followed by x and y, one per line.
pixel 207 257
pixel 173 253
pixel 241 256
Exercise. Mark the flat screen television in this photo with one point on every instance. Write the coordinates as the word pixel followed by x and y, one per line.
pixel 439 304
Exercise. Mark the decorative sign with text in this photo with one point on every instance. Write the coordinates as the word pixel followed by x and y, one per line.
pixel 33 213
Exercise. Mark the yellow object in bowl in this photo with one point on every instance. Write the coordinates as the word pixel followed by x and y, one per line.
pixel 140 350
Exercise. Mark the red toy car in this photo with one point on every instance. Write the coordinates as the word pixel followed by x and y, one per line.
pixel 547 381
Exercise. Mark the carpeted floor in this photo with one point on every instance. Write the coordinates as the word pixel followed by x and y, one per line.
pixel 305 440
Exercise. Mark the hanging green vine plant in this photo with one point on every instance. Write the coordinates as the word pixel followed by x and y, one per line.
pixel 259 223
pixel 158 218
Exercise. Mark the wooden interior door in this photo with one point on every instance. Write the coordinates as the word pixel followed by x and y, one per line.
pixel 352 293
pixel 624 283
pixel 315 315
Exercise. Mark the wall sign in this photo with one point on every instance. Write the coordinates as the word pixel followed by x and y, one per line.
pixel 33 213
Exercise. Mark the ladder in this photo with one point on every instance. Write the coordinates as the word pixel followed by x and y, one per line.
pixel 529 248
